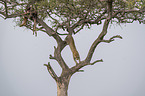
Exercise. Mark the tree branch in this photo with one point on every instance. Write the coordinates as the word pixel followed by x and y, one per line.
pixel 58 57
pixel 112 39
pixel 124 12
pixel 96 62
pixel 77 68
pixel 98 40
pixel 49 30
pixel 6 8
pixel 52 57
pixel 61 44
pixel 51 71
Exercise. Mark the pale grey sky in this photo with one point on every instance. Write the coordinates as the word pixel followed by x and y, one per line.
pixel 22 56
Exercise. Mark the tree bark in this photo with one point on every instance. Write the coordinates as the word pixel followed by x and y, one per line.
pixel 62 87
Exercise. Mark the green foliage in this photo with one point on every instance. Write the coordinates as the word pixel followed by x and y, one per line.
pixel 71 11
pixel 77 14
pixel 62 12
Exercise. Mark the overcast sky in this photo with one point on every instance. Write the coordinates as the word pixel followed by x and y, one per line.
pixel 22 56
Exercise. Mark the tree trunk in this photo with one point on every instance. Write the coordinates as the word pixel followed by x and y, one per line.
pixel 62 88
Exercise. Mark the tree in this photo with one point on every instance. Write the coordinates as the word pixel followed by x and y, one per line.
pixel 72 16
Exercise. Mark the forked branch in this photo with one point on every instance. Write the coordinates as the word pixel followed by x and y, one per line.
pixel 92 49
pixel 98 40
pixel 51 71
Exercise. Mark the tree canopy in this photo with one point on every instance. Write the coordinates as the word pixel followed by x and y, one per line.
pixel 74 15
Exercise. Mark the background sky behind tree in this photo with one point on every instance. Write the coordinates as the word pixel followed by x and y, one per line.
pixel 22 56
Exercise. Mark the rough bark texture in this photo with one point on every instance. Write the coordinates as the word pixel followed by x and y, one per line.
pixel 62 83
pixel 62 88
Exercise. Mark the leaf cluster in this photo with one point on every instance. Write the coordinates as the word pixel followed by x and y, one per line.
pixel 73 15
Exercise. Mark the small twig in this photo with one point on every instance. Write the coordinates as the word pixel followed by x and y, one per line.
pixel 80 71
pixel 51 71
pixel 112 39
pixel 55 48
pixel 41 29
pixel 79 29
pixel 51 57
pixel 96 62
pixel 6 8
